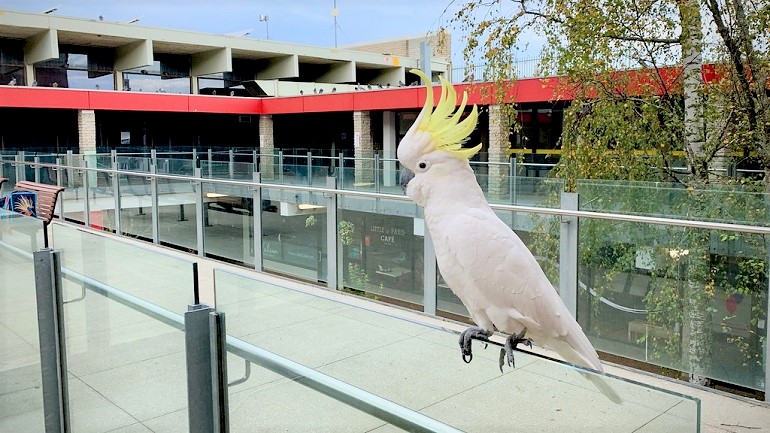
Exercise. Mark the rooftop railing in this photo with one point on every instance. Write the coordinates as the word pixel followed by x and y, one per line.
pixel 124 344
pixel 623 256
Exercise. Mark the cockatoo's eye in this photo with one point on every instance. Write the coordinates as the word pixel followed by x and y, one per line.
pixel 422 165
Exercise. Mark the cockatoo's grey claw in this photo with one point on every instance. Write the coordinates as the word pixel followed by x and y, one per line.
pixel 466 337
pixel 511 342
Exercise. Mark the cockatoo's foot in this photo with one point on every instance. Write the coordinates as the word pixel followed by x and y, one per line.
pixel 511 342
pixel 472 333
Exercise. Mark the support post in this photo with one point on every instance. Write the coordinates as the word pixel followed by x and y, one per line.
pixel 309 168
pixel 154 205
pixel 60 182
pixel 429 273
pixel 211 159
pixel 116 194
pixel 20 167
pixel 231 164
pixel 256 196
pixel 280 166
pixel 86 188
pixel 70 171
pixel 53 356
pixel 206 370
pixel 331 236
pixel 377 172
pixel 199 212
pixel 37 169
pixel 568 254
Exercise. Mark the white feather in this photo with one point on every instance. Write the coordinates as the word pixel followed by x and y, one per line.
pixel 488 266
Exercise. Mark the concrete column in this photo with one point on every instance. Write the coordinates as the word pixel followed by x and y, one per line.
pixel 497 180
pixel 363 145
pixel 266 147
pixel 87 131
pixel 87 141
pixel 390 173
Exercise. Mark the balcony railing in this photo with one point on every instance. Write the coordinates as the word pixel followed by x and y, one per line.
pixel 123 336
pixel 621 255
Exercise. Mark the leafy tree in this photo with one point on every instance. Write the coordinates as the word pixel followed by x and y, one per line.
pixel 641 107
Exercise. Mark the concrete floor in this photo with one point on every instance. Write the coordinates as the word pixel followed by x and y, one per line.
pixel 127 372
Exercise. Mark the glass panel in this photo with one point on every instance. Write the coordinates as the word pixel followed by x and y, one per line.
pixel 74 196
pixel 163 280
pixel 657 288
pixel 124 366
pixel 21 396
pixel 294 234
pixel 101 198
pixel 415 366
pixel 135 206
pixel 691 300
pixel 381 255
pixel 177 217
pixel 228 222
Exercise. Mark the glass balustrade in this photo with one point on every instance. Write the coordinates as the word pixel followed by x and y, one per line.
pixel 21 398
pixel 415 366
pixel 634 280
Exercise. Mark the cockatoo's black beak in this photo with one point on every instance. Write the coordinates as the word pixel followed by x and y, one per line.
pixel 406 176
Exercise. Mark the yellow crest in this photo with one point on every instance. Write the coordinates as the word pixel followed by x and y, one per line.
pixel 443 124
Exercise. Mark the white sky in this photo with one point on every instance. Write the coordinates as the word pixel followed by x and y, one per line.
pixel 307 22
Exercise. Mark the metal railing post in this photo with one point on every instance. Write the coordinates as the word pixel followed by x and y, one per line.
pixel 377 172
pixel 37 169
pixel 154 209
pixel 280 165
pixel 20 168
pixel 70 171
pixel 200 214
pixel 206 370
pixel 211 159
pixel 60 182
pixel 341 175
pixel 53 356
pixel 512 179
pixel 194 157
pixel 256 195
pixel 153 157
pixel 332 253
pixel 430 295
pixel 86 203
pixel 231 164
pixel 309 168
pixel 116 193
pixel 568 253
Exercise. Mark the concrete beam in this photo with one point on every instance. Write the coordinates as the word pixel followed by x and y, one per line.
pixel 340 73
pixel 390 75
pixel 41 47
pixel 213 61
pixel 134 55
pixel 280 67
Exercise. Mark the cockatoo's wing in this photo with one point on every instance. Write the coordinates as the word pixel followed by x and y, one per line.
pixel 493 268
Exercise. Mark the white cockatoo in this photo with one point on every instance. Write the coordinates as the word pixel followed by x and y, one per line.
pixel 481 259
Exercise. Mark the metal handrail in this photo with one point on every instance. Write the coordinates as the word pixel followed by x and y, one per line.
pixel 708 225
pixel 358 398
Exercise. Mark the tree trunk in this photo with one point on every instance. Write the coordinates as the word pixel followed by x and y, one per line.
pixel 698 339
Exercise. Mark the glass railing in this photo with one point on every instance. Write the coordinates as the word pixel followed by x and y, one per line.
pixel 296 359
pixel 415 366
pixel 21 399
pixel 636 279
